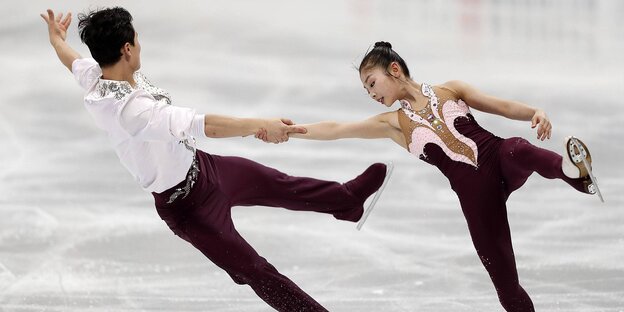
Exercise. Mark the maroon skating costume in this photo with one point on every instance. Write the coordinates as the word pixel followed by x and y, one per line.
pixel 203 217
pixel 483 170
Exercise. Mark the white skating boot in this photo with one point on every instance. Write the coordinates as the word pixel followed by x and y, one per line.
pixel 577 164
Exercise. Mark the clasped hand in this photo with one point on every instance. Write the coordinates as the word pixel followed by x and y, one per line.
pixel 277 130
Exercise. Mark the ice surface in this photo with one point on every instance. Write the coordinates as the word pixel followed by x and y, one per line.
pixel 77 234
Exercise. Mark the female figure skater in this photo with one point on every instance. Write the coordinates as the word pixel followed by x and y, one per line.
pixel 193 190
pixel 435 124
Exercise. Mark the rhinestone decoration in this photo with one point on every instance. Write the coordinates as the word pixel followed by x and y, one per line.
pixel 158 93
pixel 430 126
pixel 191 176
pixel 121 89
pixel 118 88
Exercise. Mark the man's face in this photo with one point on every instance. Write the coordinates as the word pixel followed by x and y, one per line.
pixel 135 51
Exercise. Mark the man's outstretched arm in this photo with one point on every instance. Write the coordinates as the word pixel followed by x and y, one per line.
pixel 275 130
pixel 57 28
pixel 144 118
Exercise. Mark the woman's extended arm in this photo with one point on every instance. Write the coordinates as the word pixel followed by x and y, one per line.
pixel 506 108
pixel 377 127
pixel 57 29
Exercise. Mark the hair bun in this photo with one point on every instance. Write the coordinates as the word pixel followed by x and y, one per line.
pixel 383 44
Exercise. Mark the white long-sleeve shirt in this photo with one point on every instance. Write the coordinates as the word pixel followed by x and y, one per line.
pixel 145 130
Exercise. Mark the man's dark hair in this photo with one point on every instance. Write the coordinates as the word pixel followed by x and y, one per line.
pixel 105 32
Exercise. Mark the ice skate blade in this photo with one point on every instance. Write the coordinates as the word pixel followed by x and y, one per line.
pixel 389 168
pixel 589 170
pixel 572 165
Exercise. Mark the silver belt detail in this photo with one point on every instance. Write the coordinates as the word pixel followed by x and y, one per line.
pixel 191 176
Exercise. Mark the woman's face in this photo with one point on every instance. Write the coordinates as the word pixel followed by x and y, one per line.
pixel 380 85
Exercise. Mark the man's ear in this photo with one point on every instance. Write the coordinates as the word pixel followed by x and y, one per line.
pixel 125 50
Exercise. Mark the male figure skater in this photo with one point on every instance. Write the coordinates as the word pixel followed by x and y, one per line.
pixel 193 190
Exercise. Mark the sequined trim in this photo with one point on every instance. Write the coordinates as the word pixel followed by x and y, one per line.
pixel 121 89
pixel 191 176
pixel 437 127
pixel 158 93
pixel 433 120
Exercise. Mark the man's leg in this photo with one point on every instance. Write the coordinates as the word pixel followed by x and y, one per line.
pixel 248 183
pixel 210 229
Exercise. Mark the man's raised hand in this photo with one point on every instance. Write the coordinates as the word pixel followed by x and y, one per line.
pixel 57 25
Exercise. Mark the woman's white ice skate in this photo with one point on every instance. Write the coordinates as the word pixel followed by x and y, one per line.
pixel 577 164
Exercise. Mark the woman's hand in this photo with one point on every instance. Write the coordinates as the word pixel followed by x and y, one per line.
pixel 541 121
pixel 277 131
pixel 382 126
pixel 57 26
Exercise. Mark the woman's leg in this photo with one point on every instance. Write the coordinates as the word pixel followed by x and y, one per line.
pixel 519 159
pixel 248 183
pixel 486 215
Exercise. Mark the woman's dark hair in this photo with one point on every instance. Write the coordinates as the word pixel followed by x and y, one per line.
pixel 105 31
pixel 381 56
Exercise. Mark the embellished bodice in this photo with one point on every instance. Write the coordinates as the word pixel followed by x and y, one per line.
pixel 145 130
pixel 443 133
pixel 121 89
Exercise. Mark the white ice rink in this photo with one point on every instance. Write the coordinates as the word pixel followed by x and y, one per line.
pixel 77 234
